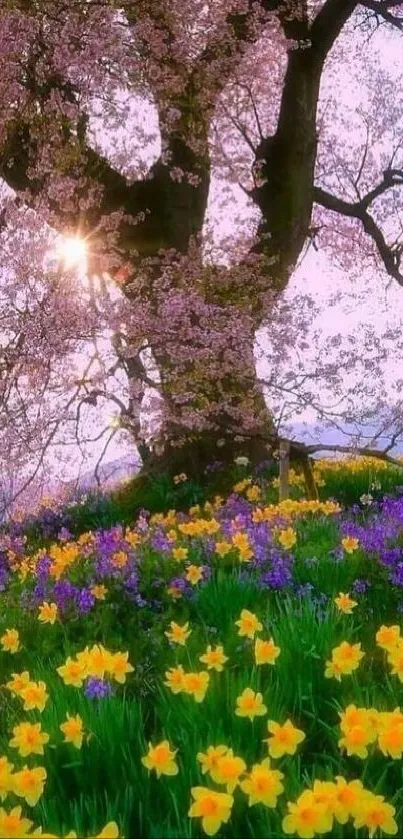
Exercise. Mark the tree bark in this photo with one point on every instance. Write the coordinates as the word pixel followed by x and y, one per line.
pixel 223 402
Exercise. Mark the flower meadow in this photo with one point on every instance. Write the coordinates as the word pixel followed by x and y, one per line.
pixel 235 670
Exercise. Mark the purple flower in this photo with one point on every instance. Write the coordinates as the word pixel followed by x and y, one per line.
pixel 132 582
pixel 64 593
pixel 304 590
pixel 396 577
pixel 85 601
pixel 337 554
pixel 160 542
pixel 278 577
pixel 361 586
pixel 97 688
pixel 181 584
pixel 39 593
pixel 42 567
pixel 64 535
pixel 4 570
pixel 139 601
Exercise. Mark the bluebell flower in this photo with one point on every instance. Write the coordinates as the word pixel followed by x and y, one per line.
pixel 97 688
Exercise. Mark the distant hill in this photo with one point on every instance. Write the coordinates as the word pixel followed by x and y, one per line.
pixel 110 473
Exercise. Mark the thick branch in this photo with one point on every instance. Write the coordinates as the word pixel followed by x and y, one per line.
pixel 285 162
pixel 329 22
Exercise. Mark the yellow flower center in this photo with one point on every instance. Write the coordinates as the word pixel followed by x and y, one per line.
pixel 308 815
pixel 161 755
pixel 376 817
pixel 208 807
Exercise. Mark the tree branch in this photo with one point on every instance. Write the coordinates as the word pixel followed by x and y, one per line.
pixel 360 450
pixel 381 9
pixel 391 255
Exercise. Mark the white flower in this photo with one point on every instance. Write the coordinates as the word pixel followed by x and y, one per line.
pixel 366 499
pixel 242 460
pixel 220 443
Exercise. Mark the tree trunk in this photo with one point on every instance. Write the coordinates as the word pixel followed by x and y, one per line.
pixel 211 417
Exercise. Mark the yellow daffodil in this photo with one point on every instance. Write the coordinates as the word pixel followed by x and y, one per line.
pixel 194 574
pixel 29 739
pixel 180 553
pixel 395 658
pixel 388 637
pixel 99 592
pixel 119 559
pixel 98 661
pixel 210 758
pixel 161 758
pixel 10 641
pixel 250 704
pixel 241 542
pixel 12 825
pixel 345 659
pixel 306 817
pixel 390 736
pixel 196 684
pixel 345 604
pixel 248 624
pixel 368 717
pixel 375 814
pixel 287 538
pixel 34 695
pixel 214 659
pixel 47 613
pixel 356 740
pixel 73 672
pixel 174 679
pixel 223 548
pixel 265 651
pixel 29 784
pixel 18 682
pixel 110 831
pixel 73 730
pixel 263 784
pixel 228 769
pixel 284 739
pixel 349 544
pixel 214 808
pixel 119 667
pixel 178 634
pixel 347 798
pixel 6 777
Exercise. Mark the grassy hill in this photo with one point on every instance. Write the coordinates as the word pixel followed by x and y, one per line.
pixel 183 660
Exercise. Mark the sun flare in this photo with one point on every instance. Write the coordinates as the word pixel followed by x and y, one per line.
pixel 72 251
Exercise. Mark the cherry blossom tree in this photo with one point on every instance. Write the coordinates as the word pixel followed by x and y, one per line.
pixel 242 91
